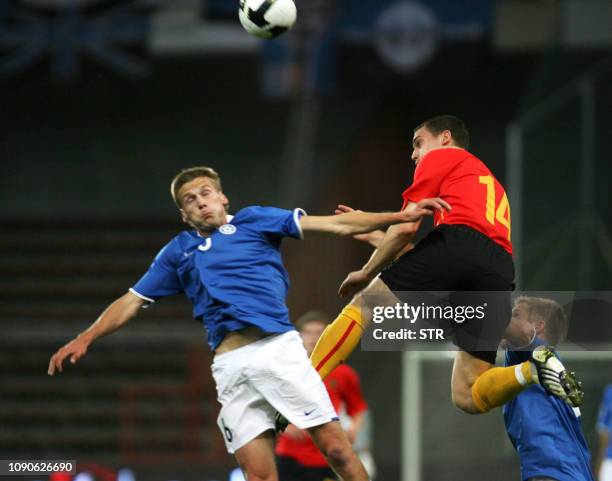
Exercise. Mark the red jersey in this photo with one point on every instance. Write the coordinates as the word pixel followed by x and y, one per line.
pixel 477 198
pixel 345 393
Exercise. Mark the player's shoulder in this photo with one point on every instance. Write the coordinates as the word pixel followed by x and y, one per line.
pixel 182 242
pixel 256 214
pixel 185 239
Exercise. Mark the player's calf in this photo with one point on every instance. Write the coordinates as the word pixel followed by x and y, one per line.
pixel 478 387
pixel 498 385
pixel 333 443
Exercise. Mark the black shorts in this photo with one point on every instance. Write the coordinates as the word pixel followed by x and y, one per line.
pixel 458 258
pixel 290 470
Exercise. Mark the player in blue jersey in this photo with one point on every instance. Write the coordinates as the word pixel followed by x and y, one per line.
pixel 545 430
pixel 603 462
pixel 230 268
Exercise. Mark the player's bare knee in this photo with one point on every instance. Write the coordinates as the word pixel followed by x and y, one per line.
pixel 462 399
pixel 339 456
pixel 467 406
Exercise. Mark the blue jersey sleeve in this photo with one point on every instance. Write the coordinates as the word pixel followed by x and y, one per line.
pixel 276 223
pixel 161 279
pixel 604 419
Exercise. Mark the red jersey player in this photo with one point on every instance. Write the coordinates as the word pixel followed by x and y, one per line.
pixel 469 249
pixel 298 458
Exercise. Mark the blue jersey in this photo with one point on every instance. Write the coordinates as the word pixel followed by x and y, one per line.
pixel 234 278
pixel 546 432
pixel 604 419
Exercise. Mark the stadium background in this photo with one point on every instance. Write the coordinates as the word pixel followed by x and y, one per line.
pixel 103 101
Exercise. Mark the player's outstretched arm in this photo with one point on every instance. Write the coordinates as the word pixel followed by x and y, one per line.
pixel 373 238
pixel 114 316
pixel 357 222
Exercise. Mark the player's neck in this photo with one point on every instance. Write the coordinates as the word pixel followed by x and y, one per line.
pixel 208 233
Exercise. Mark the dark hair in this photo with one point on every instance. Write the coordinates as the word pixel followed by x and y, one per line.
pixel 311 316
pixel 187 175
pixel 551 313
pixel 456 126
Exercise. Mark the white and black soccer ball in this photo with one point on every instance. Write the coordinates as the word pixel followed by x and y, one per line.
pixel 267 18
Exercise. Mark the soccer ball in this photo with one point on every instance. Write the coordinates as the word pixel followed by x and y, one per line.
pixel 267 18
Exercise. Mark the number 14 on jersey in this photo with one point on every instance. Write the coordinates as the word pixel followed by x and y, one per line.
pixel 500 214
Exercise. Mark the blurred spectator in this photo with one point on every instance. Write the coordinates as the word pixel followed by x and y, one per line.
pixel 603 461
pixel 125 474
pixel 297 456
pixel 85 476
pixel 60 477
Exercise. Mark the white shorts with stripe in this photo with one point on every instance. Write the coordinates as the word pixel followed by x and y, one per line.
pixel 269 375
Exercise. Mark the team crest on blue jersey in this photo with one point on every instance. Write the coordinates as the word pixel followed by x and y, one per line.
pixel 227 229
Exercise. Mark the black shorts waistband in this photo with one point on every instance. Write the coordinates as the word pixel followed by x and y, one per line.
pixel 470 231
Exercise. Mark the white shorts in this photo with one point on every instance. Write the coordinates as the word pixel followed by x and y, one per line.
pixel 269 375
pixel 605 473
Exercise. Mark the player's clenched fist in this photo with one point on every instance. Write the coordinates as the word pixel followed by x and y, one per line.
pixel 75 349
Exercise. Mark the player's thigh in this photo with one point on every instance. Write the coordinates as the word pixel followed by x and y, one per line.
pixel 282 373
pixel 480 321
pixel 256 457
pixel 376 294
pixel 244 414
pixel 466 369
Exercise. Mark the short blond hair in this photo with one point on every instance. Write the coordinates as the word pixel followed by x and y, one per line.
pixel 551 312
pixel 187 175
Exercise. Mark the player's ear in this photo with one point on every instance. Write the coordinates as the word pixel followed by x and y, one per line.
pixel 224 199
pixel 447 137
pixel 539 324
pixel 184 216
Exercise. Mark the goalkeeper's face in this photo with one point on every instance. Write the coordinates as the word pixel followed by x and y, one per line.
pixel 203 205
pixel 311 332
